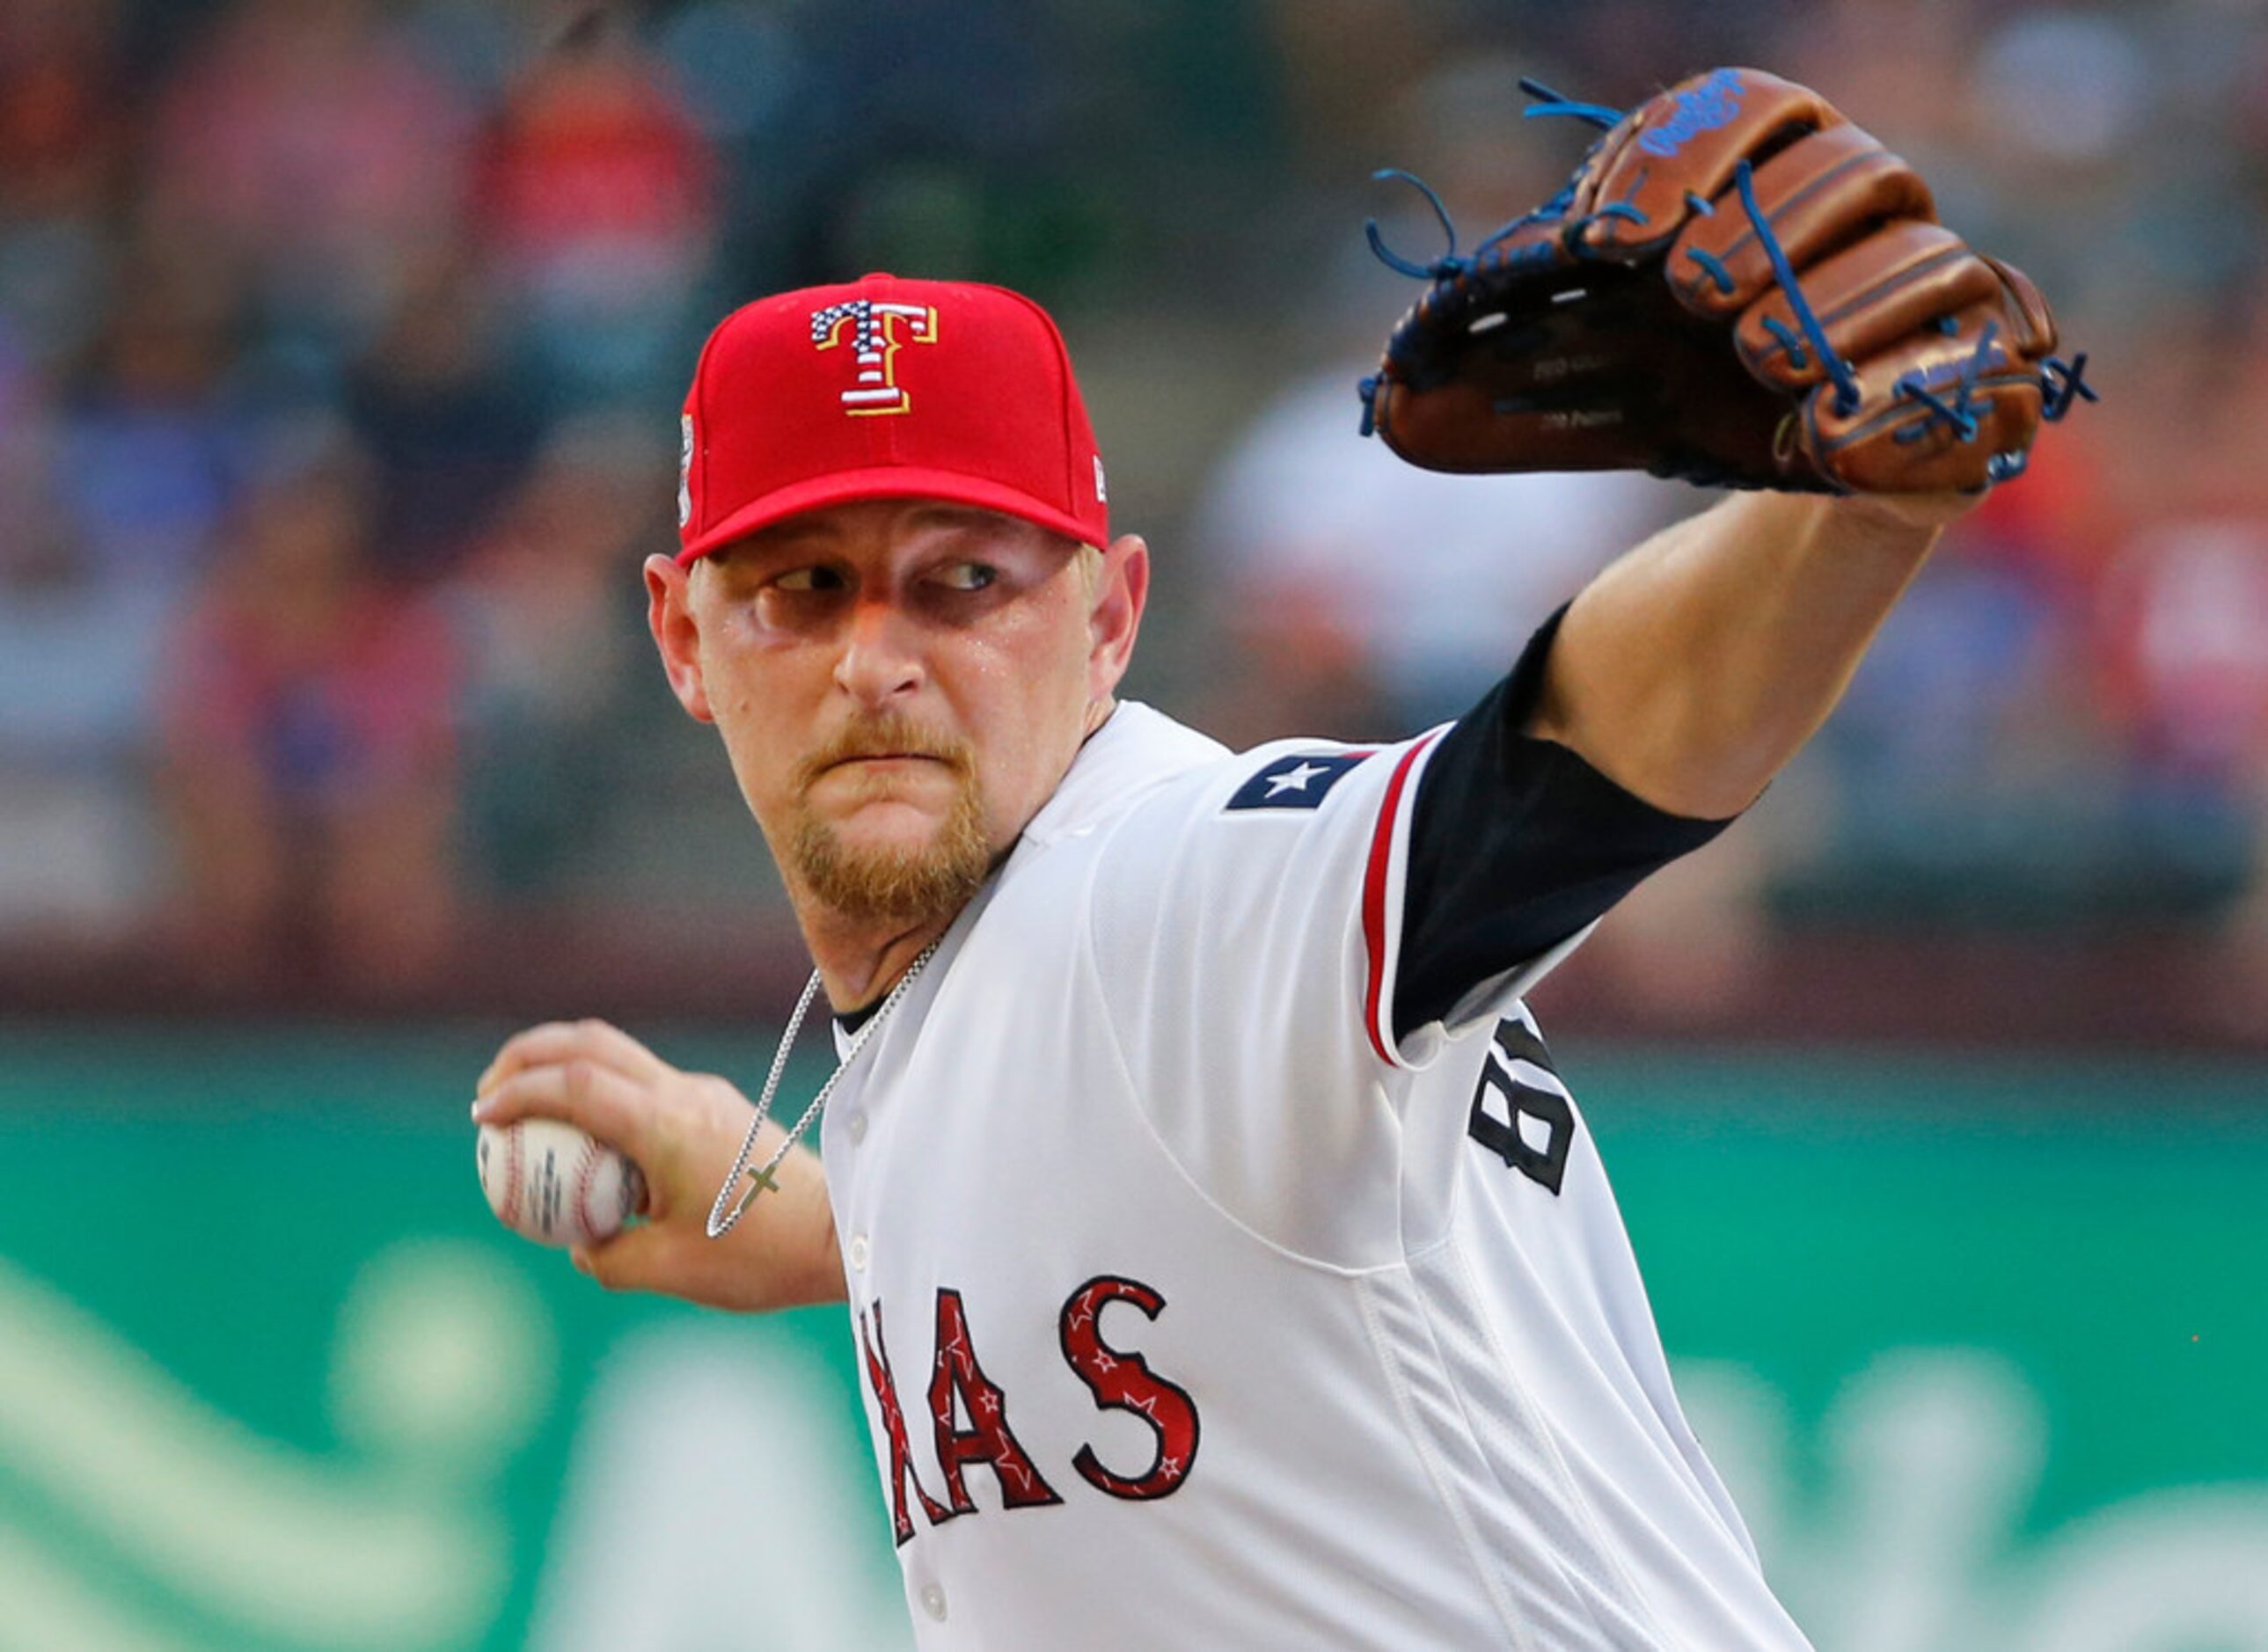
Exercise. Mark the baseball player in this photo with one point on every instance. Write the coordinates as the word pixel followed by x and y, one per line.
pixel 1227 1262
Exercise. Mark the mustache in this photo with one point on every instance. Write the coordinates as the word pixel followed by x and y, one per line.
pixel 893 735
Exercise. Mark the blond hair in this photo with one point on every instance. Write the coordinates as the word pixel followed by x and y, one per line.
pixel 1090 569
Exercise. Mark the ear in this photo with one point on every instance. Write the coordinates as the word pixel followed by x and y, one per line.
pixel 1120 595
pixel 676 634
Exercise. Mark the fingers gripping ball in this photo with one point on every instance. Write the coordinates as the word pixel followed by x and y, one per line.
pixel 1738 287
pixel 552 1183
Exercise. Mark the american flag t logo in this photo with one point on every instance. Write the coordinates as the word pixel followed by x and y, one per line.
pixel 876 331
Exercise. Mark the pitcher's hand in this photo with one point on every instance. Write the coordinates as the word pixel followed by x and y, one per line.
pixel 683 1130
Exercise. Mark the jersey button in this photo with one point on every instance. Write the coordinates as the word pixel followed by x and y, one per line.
pixel 857 1129
pixel 858 1252
pixel 933 1601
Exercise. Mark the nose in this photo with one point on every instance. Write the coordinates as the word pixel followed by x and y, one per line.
pixel 882 660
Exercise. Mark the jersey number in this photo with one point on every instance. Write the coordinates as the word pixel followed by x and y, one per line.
pixel 1502 1105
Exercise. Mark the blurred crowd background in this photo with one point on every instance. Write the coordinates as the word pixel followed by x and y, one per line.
pixel 342 343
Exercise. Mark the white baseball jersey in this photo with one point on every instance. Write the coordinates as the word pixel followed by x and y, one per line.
pixel 1198 1310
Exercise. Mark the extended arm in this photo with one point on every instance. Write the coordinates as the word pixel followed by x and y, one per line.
pixel 1695 667
pixel 1660 703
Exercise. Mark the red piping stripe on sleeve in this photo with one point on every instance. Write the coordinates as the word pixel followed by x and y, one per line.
pixel 1373 902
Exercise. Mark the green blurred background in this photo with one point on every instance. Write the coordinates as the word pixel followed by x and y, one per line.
pixel 1977 1342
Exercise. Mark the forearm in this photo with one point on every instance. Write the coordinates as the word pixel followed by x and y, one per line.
pixel 784 1253
pixel 781 1253
pixel 1697 665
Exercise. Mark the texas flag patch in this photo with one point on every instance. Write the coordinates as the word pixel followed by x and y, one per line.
pixel 1298 781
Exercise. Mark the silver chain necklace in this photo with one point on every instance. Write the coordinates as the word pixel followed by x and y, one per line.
pixel 721 1221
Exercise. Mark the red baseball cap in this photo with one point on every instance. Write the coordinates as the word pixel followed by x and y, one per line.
pixel 885 389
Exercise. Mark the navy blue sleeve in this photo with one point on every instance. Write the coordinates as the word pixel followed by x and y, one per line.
pixel 1515 843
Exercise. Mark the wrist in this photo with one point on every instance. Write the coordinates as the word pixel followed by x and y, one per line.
pixel 1924 513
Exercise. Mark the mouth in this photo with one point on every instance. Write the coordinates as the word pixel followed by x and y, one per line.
pixel 885 754
pixel 892 771
pixel 888 757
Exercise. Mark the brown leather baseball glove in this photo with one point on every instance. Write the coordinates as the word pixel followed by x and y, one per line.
pixel 1737 287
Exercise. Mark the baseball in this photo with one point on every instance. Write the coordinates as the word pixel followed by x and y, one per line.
pixel 556 1185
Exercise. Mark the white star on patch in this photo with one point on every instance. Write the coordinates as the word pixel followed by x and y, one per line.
pixel 1294 779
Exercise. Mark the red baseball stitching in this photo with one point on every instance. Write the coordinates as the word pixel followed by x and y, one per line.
pixel 586 1171
pixel 511 1175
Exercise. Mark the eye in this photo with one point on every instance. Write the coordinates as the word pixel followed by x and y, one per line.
pixel 802 579
pixel 967 575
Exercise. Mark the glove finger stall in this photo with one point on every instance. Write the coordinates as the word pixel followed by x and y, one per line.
pixel 1893 442
pixel 1688 141
pixel 1870 459
pixel 1904 278
pixel 1818 195
pixel 2028 311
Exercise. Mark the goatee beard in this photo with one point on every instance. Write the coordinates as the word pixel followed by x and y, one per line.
pixel 894 885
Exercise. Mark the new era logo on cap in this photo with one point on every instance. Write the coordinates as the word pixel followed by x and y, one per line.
pixel 990 413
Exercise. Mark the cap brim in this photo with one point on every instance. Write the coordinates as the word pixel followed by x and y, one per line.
pixel 890 481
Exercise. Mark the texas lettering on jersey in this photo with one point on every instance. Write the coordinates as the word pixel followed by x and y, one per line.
pixel 969 1411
